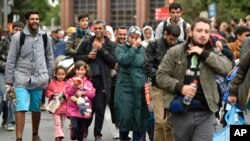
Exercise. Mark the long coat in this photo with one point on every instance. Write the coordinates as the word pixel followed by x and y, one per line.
pixel 130 105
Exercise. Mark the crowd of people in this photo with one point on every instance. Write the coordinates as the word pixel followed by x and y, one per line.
pixel 185 64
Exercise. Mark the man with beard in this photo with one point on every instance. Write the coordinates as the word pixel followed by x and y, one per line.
pixel 154 54
pixel 99 52
pixel 188 71
pixel 121 34
pixel 28 69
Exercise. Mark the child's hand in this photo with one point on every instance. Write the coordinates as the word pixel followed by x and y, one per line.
pixel 53 96
pixel 77 81
pixel 80 93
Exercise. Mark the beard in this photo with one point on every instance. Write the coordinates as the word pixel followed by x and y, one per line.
pixel 195 43
pixel 32 28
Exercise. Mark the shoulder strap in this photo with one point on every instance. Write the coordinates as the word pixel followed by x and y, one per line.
pixel 73 36
pixel 165 23
pixel 45 41
pixel 184 30
pixel 22 39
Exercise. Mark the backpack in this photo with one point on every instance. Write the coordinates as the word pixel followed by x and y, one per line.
pixel 184 26
pixel 22 39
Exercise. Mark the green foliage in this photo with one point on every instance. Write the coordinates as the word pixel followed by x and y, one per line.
pixel 45 9
pixel 226 9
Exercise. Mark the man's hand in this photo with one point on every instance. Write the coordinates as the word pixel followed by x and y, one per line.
pixel 195 49
pixel 92 54
pixel 188 90
pixel 9 84
pixel 232 99
pixel 97 45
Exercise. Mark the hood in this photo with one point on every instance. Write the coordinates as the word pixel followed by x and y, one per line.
pixel 152 33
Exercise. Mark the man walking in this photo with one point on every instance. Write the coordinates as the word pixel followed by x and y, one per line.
pixel 99 52
pixel 28 69
pixel 187 72
pixel 9 110
pixel 154 54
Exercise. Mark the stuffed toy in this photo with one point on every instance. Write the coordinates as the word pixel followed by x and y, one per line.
pixel 83 104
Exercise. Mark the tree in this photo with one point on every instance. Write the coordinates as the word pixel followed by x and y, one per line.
pixel 226 9
pixel 45 9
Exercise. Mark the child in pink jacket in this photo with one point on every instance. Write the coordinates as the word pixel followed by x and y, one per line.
pixel 56 87
pixel 74 89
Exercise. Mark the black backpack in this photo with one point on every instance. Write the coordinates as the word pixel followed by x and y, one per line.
pixel 165 24
pixel 22 39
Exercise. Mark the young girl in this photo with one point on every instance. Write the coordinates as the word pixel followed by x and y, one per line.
pixel 55 88
pixel 74 89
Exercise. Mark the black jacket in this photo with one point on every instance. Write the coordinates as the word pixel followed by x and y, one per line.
pixel 106 59
pixel 153 56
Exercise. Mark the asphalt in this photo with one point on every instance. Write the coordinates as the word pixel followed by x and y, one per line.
pixel 46 130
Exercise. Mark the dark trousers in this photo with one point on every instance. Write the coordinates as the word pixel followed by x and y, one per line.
pixel 99 105
pixel 5 111
pixel 137 136
pixel 43 97
pixel 111 103
pixel 77 127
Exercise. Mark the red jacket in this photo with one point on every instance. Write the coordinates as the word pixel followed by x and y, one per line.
pixel 55 88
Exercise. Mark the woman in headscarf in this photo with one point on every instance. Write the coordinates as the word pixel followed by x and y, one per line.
pixel 130 106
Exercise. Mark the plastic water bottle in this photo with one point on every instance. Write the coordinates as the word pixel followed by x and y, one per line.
pixel 187 100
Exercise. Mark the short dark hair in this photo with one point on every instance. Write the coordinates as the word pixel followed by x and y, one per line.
pixel 121 27
pixel 172 29
pixel 240 30
pixel 99 21
pixel 27 14
pixel 17 24
pixel 200 19
pixel 82 16
pixel 174 5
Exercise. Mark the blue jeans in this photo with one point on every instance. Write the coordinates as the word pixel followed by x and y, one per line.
pixel 3 102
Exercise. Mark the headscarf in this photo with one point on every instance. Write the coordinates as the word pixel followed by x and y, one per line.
pixel 134 29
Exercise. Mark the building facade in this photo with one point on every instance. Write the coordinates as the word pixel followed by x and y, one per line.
pixel 114 12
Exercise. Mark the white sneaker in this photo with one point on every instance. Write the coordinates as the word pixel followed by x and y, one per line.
pixel 116 134
pixel 10 127
pixel 130 134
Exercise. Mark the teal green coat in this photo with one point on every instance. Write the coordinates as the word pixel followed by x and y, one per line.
pixel 130 106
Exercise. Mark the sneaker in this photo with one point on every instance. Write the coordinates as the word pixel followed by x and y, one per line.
pixel 10 127
pixel 42 107
pixel 130 135
pixel 98 138
pixel 4 125
pixel 116 134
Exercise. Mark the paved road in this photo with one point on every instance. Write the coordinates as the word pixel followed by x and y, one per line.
pixel 46 129
pixel 47 133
